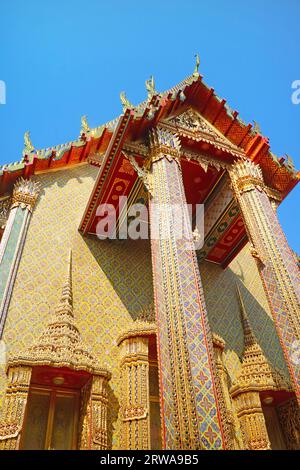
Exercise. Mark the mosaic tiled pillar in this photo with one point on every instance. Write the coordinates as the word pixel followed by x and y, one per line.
pixel 229 420
pixel 190 415
pixel 275 260
pixel 135 404
pixel 99 405
pixel 24 197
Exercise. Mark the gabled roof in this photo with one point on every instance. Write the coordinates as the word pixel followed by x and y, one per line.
pixel 279 173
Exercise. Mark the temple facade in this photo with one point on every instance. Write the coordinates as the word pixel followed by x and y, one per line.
pixel 119 332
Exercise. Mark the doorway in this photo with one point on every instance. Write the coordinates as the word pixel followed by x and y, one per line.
pixel 51 419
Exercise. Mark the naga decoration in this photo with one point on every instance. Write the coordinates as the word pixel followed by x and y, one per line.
pixel 85 128
pixel 196 69
pixel 28 147
pixel 150 87
pixel 125 102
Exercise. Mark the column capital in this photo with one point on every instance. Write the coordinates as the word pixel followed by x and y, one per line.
pixel 25 193
pixel 246 175
pixel 163 144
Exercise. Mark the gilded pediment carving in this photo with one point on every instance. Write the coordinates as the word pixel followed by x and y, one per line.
pixel 192 124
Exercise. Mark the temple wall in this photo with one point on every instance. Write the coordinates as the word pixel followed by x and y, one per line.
pixel 112 283
pixel 112 280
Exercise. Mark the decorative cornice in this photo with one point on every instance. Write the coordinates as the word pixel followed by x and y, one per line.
pixel 247 183
pixel 96 159
pixel 218 341
pixel 141 329
pixel 273 194
pixel 204 160
pixel 136 148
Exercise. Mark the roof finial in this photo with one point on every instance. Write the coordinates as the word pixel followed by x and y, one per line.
pixel 125 103
pixel 289 163
pixel 28 147
pixel 85 128
pixel 256 127
pixel 150 86
pixel 196 69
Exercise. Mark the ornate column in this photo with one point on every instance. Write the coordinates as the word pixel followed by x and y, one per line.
pixel 13 411
pixel 25 194
pixel 135 404
pixel 275 260
pixel 99 403
pixel 252 420
pixel 190 415
pixel 229 421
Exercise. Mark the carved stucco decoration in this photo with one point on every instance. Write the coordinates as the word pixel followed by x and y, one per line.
pixel 194 126
pixel 289 418
pixel 5 203
pixel 25 193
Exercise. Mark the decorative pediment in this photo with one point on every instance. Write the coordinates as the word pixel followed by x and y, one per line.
pixel 198 126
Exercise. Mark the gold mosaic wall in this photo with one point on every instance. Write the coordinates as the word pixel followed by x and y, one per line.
pixel 112 282
pixel 224 309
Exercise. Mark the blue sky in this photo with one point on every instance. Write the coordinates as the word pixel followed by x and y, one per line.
pixel 62 59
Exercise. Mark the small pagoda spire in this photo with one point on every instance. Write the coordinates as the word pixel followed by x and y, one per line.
pixel 60 343
pixel 249 338
pixel 67 292
pixel 256 370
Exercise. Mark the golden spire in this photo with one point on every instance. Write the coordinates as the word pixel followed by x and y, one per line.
pixel 60 344
pixel 249 338
pixel 67 293
pixel 256 369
